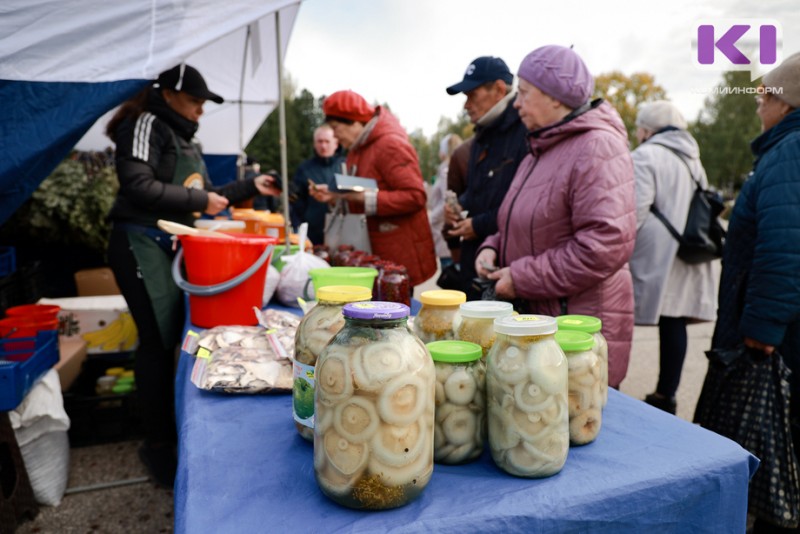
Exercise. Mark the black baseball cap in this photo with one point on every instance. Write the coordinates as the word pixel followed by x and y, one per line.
pixel 189 80
pixel 482 70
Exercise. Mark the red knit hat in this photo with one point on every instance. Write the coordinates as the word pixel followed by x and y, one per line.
pixel 347 105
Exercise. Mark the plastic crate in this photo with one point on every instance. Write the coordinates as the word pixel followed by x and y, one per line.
pixel 17 378
pixel 8 261
pixel 98 419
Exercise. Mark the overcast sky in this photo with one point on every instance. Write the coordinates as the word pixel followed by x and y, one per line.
pixel 406 52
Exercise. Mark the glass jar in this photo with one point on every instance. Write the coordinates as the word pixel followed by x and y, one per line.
pixel 354 258
pixel 460 429
pixel 374 409
pixel 342 254
pixel 394 284
pixel 584 397
pixel 526 389
pixel 591 325
pixel 477 321
pixel 315 330
pixel 438 317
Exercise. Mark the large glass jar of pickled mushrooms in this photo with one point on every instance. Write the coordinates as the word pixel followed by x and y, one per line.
pixel 526 388
pixel 438 317
pixel 315 330
pixel 374 410
pixel 591 325
pixel 477 321
pixel 460 428
pixel 584 397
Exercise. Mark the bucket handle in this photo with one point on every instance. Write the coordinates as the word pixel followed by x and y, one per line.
pixel 208 291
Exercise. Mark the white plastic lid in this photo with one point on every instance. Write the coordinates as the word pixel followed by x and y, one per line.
pixel 486 309
pixel 525 325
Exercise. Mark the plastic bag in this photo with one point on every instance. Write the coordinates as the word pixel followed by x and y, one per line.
pixel 40 426
pixel 242 359
pixel 270 284
pixel 294 276
pixel 745 397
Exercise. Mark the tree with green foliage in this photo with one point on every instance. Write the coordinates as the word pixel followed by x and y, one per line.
pixel 626 93
pixel 724 129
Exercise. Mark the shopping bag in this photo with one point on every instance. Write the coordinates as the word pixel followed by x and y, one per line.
pixel 745 397
pixel 344 228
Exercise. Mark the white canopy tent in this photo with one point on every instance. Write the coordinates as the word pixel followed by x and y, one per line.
pixel 83 58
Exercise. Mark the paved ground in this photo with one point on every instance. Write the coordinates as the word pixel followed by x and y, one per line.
pixel 141 507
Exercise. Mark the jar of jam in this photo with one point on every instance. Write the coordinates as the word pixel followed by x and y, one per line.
pixel 460 429
pixel 439 318
pixel 374 410
pixel 591 325
pixel 315 330
pixel 584 395
pixel 354 258
pixel 526 397
pixel 394 284
pixel 477 321
pixel 342 254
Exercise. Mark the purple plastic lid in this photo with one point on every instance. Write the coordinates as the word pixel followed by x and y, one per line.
pixel 375 310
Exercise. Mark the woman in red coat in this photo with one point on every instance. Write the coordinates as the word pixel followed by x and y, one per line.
pixel 378 148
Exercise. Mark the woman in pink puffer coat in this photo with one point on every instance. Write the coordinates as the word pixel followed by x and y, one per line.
pixel 568 222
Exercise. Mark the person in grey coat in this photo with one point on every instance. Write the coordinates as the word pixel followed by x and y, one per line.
pixel 667 291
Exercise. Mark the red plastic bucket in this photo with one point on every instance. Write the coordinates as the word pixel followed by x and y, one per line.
pixel 225 277
pixel 34 310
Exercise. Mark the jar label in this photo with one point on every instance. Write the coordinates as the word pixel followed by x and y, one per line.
pixel 522 318
pixel 303 393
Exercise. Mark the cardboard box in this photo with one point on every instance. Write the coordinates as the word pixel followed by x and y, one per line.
pixel 72 353
pixel 104 323
pixel 96 282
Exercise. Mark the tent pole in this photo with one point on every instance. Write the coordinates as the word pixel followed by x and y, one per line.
pixel 282 134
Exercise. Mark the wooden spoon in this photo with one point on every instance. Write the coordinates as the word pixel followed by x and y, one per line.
pixel 181 229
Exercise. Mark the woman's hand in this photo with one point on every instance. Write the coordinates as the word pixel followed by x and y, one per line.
pixel 485 262
pixel 216 203
pixel 267 185
pixel 464 229
pixel 755 344
pixel 320 193
pixel 504 288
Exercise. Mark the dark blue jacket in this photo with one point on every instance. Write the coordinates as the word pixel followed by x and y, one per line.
pixel 759 293
pixel 496 153
pixel 305 208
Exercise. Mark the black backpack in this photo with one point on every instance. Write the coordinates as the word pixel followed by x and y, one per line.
pixel 704 235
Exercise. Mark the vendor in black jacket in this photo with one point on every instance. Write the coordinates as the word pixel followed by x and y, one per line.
pixel 497 148
pixel 161 176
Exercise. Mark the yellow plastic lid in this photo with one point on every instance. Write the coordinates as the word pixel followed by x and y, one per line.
pixel 344 293
pixel 443 297
pixel 115 371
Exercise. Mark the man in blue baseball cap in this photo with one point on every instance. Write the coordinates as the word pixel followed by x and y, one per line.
pixel 499 144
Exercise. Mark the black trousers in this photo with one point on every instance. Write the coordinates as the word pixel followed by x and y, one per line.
pixel 154 364
pixel 672 346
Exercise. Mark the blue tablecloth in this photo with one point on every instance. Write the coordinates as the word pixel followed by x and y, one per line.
pixel 244 468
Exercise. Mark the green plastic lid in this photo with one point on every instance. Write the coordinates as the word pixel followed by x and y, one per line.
pixel 451 351
pixel 525 325
pixel 126 380
pixel 582 323
pixel 121 389
pixel 574 341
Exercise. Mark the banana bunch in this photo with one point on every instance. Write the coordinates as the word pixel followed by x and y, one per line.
pixel 119 335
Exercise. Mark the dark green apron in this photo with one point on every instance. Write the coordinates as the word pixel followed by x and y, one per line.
pixel 154 255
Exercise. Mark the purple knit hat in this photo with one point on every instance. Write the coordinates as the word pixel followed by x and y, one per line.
pixel 560 73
